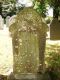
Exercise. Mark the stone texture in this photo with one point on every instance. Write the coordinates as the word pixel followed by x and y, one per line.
pixel 28 38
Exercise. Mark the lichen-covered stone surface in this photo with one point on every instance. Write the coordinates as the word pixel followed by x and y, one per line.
pixel 28 38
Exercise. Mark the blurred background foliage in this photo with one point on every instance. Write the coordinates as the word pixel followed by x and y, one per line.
pixel 52 60
pixel 39 5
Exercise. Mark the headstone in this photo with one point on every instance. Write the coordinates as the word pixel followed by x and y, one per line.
pixel 1 22
pixel 55 29
pixel 7 21
pixel 28 39
pixel 10 20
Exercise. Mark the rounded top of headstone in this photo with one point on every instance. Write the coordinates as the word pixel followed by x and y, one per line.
pixel 29 20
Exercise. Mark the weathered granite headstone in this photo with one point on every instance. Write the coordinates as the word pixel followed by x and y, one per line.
pixel 28 39
pixel 1 22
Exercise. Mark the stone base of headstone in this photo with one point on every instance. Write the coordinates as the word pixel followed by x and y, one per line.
pixel 26 77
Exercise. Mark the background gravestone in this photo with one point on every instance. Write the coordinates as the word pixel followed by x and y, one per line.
pixel 55 29
pixel 7 21
pixel 1 22
pixel 28 39
pixel 10 20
